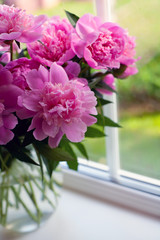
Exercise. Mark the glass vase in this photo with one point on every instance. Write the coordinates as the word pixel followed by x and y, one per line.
pixel 28 197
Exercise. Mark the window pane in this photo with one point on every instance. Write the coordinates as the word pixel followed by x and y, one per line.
pixel 140 104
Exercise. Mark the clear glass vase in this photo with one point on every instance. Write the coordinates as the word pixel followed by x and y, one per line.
pixel 27 199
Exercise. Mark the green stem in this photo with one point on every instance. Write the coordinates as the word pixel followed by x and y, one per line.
pixel 56 195
pixel 17 202
pixel 40 162
pixel 7 203
pixel 4 202
pixel 44 195
pixel 23 204
pixel 3 163
pixel 1 201
pixel 33 199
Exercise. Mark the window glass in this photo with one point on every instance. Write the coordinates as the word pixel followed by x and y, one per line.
pixel 139 96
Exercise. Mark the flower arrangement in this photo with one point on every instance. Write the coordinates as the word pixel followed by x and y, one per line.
pixel 53 75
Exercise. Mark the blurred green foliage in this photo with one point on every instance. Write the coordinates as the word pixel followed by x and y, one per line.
pixel 144 85
pixel 139 144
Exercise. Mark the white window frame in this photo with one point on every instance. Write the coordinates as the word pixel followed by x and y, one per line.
pixel 110 183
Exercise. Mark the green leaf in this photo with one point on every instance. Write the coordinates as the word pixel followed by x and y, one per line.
pixel 67 147
pixel 82 149
pixel 19 152
pixel 50 165
pixel 103 102
pixel 103 85
pixel 73 165
pixel 105 121
pixel 52 156
pixel 5 158
pixel 65 144
pixel 57 154
pixel 94 133
pixel 72 18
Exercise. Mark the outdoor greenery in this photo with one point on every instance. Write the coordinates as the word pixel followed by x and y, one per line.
pixel 140 133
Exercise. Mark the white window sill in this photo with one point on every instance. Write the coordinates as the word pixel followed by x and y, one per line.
pixel 119 193
pixel 80 217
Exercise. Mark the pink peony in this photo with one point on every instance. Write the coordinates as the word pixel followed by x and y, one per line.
pixel 109 80
pixel 55 44
pixel 7 122
pixel 8 104
pixel 19 69
pixel 72 69
pixel 128 59
pixel 101 44
pixel 58 105
pixel 15 24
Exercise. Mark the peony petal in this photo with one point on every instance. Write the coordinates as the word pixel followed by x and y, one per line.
pixel 78 45
pixel 86 25
pixel 5 136
pixel 74 130
pixel 34 79
pixel 29 36
pixel 88 119
pixel 73 69
pixel 31 101
pixel 50 130
pixel 39 20
pixel 10 121
pixel 43 73
pixel 69 54
pixel 5 58
pixel 9 94
pixel 37 124
pixel 24 113
pixel 10 36
pixel 54 142
pixel 91 37
pixel 88 57
pixel 58 74
pixel 1 67
pixel 5 77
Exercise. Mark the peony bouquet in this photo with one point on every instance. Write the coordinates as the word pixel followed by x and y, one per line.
pixel 53 75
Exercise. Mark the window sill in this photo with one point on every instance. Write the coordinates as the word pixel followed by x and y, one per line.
pixel 119 194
